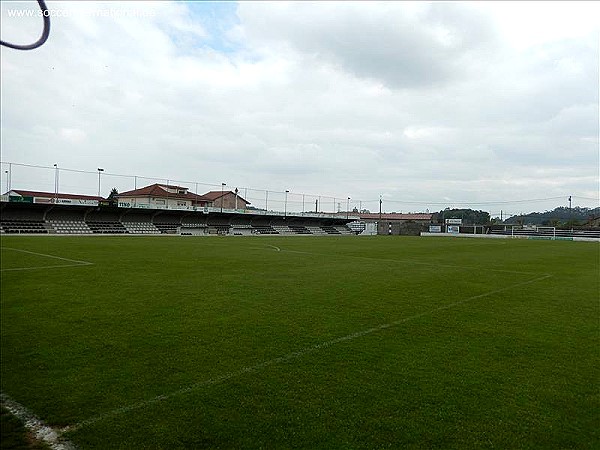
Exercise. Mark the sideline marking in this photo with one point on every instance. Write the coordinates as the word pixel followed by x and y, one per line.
pixel 40 430
pixel 74 261
pixel 290 356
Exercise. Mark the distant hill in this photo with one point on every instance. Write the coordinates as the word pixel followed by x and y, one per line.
pixel 557 217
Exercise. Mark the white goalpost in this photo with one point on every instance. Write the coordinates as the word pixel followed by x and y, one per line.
pixel 547 231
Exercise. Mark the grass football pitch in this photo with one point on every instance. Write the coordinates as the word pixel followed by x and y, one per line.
pixel 304 342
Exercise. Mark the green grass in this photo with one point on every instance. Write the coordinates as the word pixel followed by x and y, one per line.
pixel 483 348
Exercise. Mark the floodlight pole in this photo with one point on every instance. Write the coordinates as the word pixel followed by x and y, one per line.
pixel 100 170
pixel 285 204
pixel 266 201
pixel 9 178
pixel 380 201
pixel 348 208
pixel 236 197
pixel 222 186
pixel 55 183
pixel 6 172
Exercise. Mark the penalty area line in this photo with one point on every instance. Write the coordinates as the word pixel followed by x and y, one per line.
pixel 293 355
pixel 74 262
pixel 42 432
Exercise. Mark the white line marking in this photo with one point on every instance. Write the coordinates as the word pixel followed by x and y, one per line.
pixel 292 355
pixel 274 247
pixel 52 437
pixel 74 261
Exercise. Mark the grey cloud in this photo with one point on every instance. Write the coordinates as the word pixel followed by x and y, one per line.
pixel 401 48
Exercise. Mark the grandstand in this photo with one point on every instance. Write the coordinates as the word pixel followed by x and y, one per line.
pixel 33 212
pixel 36 218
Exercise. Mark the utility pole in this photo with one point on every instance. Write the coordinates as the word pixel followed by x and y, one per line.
pixel 570 213
pixel 380 201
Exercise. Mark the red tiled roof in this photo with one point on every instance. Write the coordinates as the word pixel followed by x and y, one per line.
pixel 158 190
pixel 213 195
pixel 396 216
pixel 52 195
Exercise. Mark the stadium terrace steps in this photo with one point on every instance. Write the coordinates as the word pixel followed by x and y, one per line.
pixel 141 228
pixel 63 226
pixel 317 231
pixel 107 227
pixel 69 227
pixel 265 229
pixel 298 229
pixel 18 226
pixel 344 230
pixel 167 228
pixel 330 230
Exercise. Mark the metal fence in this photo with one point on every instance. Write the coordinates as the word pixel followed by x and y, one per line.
pixel 100 182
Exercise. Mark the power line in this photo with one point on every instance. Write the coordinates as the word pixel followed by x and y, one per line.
pixel 324 199
pixel 457 202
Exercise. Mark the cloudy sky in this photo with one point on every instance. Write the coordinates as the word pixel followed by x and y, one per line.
pixel 489 105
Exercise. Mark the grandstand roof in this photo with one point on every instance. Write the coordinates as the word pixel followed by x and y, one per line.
pixel 52 194
pixel 396 216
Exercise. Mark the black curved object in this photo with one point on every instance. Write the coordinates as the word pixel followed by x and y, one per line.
pixel 43 37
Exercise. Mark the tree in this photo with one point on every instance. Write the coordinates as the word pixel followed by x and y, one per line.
pixel 112 197
pixel 468 216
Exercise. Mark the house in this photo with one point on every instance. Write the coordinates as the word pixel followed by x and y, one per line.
pixel 158 196
pixel 225 199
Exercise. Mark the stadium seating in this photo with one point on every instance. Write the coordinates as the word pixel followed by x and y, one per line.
pixel 69 227
pixel 241 230
pixel 330 230
pixel 264 229
pixel 140 228
pixel 19 226
pixel 298 229
pixel 106 227
pixel 318 231
pixel 282 229
pixel 61 220
pixel 344 230
pixel 168 228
